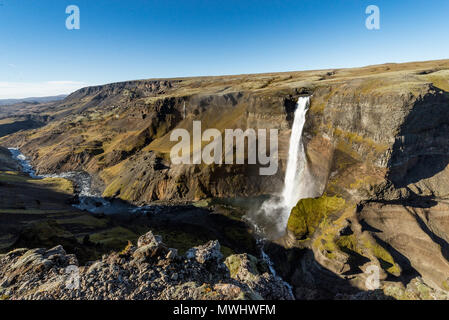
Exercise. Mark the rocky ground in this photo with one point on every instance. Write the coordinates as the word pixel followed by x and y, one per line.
pixel 149 270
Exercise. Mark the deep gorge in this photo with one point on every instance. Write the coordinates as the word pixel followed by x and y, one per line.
pixel 376 148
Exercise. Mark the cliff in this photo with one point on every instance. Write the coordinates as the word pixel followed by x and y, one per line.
pixel 376 144
pixel 387 159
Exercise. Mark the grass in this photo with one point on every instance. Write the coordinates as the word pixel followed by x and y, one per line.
pixel 182 240
pixel 44 231
pixel 86 221
pixel 440 79
pixel 56 184
pixel 114 238
pixel 352 137
pixel 7 121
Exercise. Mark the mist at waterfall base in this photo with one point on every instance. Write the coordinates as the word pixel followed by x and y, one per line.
pixel 271 218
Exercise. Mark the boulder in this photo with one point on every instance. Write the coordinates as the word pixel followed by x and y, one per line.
pixel 149 238
pixel 150 246
pixel 208 253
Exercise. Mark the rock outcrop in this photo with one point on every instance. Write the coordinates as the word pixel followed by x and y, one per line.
pixel 149 271
pixel 6 161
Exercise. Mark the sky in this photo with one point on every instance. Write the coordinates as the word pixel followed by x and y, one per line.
pixel 139 39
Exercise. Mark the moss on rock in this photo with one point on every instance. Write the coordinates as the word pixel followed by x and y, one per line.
pixel 306 216
pixel 245 264
pixel 385 259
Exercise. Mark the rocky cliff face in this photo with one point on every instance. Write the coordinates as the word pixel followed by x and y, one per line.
pixel 387 155
pixel 128 145
pixel 8 164
pixel 376 144
pixel 149 270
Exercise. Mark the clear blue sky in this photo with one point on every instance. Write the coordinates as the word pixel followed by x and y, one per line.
pixel 135 39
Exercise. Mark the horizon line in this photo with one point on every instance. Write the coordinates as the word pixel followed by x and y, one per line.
pixel 67 93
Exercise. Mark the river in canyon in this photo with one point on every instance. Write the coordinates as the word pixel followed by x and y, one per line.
pixel 270 220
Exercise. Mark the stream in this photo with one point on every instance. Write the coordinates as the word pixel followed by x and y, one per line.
pixel 94 203
pixel 89 200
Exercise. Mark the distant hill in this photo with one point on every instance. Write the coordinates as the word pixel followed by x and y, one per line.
pixel 4 102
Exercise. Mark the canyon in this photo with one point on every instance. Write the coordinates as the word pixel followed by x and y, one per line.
pixel 376 148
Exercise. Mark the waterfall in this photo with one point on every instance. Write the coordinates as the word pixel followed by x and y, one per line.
pixel 272 216
pixel 184 110
pixel 296 157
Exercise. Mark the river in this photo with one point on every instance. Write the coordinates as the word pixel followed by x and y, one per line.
pixel 88 199
pixel 93 202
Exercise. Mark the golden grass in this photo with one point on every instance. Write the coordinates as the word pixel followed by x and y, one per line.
pixel 57 184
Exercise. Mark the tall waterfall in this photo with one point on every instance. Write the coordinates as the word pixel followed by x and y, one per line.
pixel 296 157
pixel 272 216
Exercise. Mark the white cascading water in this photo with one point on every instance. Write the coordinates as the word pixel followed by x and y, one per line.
pixel 272 217
pixel 296 157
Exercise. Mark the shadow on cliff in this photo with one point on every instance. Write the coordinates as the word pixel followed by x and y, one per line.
pixel 15 126
pixel 310 280
pixel 181 226
pixel 421 149
pixel 38 215
pixel 33 216
pixel 185 226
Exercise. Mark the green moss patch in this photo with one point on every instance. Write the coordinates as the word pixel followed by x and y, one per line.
pixel 385 259
pixel 181 240
pixel 114 238
pixel 234 263
pixel 306 216
pixel 358 248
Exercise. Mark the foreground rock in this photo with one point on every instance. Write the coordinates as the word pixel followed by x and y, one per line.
pixel 149 271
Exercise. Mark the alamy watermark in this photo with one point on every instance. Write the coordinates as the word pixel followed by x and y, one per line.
pixel 234 147
pixel 72 277
pixel 372 281
pixel 73 21
pixel 372 22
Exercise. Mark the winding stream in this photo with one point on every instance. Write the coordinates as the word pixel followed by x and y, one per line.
pixel 89 200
